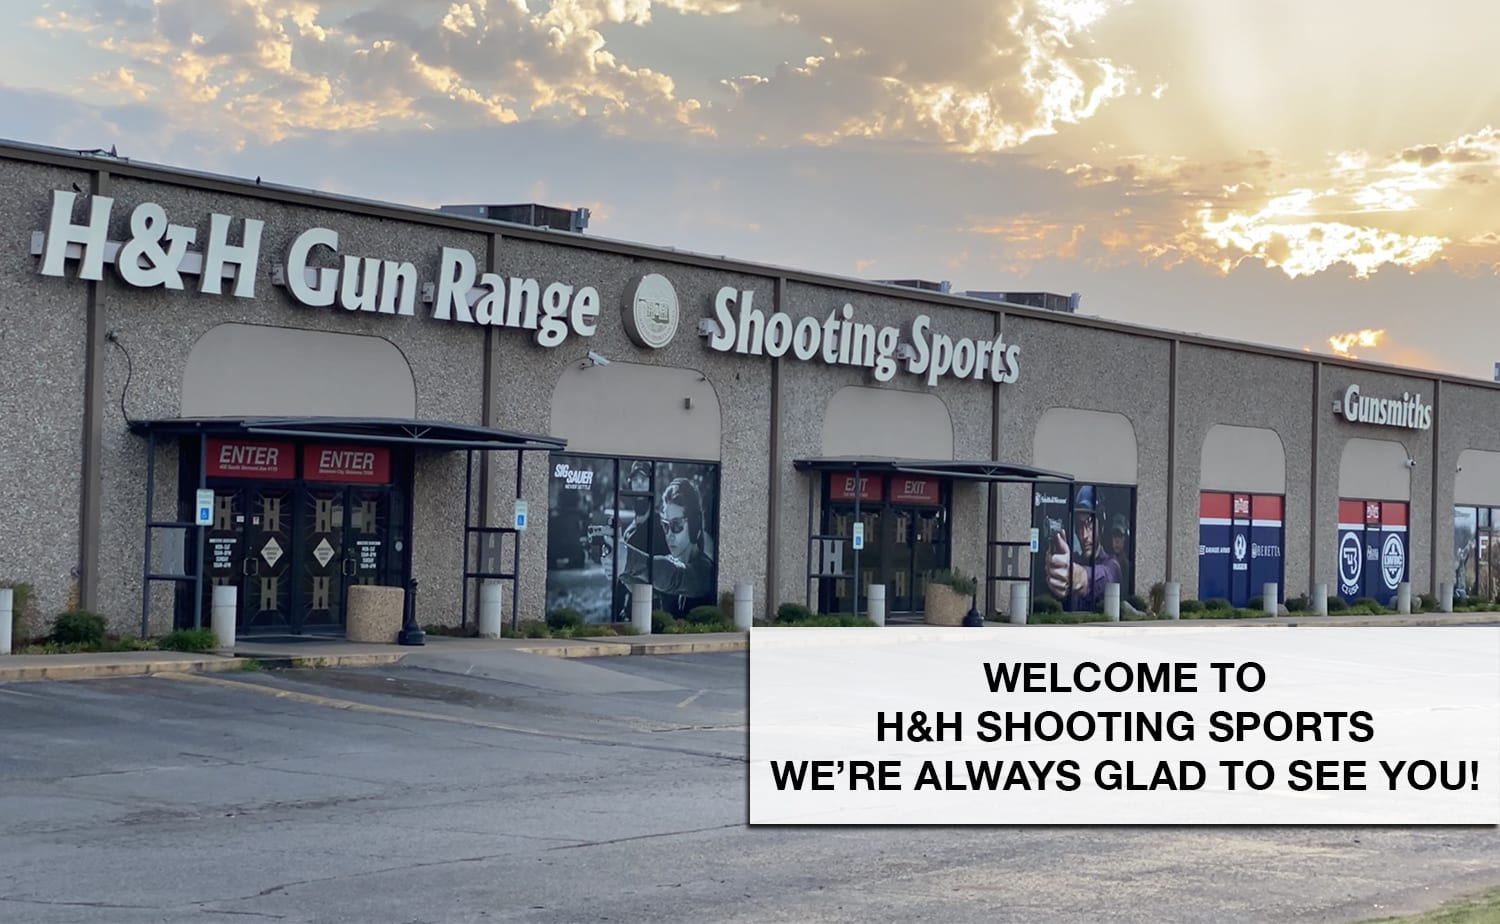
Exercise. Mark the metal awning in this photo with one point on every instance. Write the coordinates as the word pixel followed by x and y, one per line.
pixel 420 434
pixel 959 470
pixel 989 472
pixel 424 434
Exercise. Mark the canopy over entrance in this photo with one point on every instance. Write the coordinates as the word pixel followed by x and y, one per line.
pixel 438 435
pixel 976 470
pixel 427 434
pixel 1011 566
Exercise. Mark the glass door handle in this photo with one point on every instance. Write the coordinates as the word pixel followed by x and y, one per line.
pixel 250 567
pixel 349 567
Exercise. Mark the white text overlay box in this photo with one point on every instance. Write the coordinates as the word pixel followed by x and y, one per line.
pixel 1169 724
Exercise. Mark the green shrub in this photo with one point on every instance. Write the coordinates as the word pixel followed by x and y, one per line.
pixel 1428 603
pixel 534 628
pixel 683 627
pixel 962 584
pixel 726 601
pixel 792 613
pixel 79 627
pixel 1337 605
pixel 1158 596
pixel 20 602
pixel 1138 603
pixel 564 618
pixel 1298 604
pixel 1218 603
pixel 1257 602
pixel 1045 604
pixel 662 622
pixel 189 640
pixel 1370 604
pixel 702 615
pixel 590 630
pixel 1190 606
pixel 834 620
pixel 1065 618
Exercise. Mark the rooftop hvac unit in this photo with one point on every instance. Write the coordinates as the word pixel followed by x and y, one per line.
pixel 1047 300
pixel 926 285
pixel 529 213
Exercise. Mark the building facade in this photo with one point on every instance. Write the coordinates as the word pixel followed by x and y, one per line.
pixel 342 391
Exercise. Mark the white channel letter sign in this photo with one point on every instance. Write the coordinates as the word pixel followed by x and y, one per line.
pixel 156 254
pixel 839 340
pixel 315 274
pixel 1407 411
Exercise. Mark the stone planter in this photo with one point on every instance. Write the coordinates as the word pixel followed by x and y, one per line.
pixel 375 613
pixel 945 606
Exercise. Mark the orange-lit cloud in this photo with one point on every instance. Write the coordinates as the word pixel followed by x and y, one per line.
pixel 1357 211
pixel 976 75
pixel 1343 344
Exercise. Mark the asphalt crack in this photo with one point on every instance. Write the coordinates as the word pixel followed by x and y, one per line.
pixel 647 837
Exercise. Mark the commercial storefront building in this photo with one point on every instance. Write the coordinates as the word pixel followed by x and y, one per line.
pixel 375 394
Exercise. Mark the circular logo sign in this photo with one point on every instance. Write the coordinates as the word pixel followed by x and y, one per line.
pixel 1392 561
pixel 1239 547
pixel 651 313
pixel 1351 560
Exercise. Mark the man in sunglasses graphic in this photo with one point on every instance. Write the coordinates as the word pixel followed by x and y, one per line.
pixel 684 576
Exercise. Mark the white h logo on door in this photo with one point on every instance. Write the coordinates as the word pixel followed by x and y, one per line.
pixel 832 557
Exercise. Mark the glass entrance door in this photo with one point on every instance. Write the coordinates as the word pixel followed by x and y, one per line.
pixel 906 539
pixel 837 596
pixel 929 543
pixel 321 563
pixel 293 552
pixel 249 546
pixel 344 537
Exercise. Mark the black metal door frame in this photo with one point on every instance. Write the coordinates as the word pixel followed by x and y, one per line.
pixel 884 533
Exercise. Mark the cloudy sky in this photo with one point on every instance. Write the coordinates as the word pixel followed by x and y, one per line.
pixel 1290 172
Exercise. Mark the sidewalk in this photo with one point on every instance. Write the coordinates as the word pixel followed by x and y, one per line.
pixel 250 654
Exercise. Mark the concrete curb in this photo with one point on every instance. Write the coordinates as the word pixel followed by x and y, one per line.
pixel 614 646
pixel 575 650
pixel 654 646
pixel 330 660
pixel 93 671
pixel 104 665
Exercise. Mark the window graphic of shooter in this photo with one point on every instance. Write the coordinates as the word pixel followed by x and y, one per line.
pixel 1079 573
pixel 684 577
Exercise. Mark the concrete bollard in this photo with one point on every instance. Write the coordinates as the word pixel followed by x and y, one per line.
pixel 1403 598
pixel 1112 601
pixel 1171 603
pixel 225 603
pixel 1020 603
pixel 491 609
pixel 744 606
pixel 1269 601
pixel 1445 598
pixel 1320 599
pixel 640 608
pixel 7 617
pixel 875 597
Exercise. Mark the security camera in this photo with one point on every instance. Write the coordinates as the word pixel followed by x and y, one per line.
pixel 597 360
pixel 1411 463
